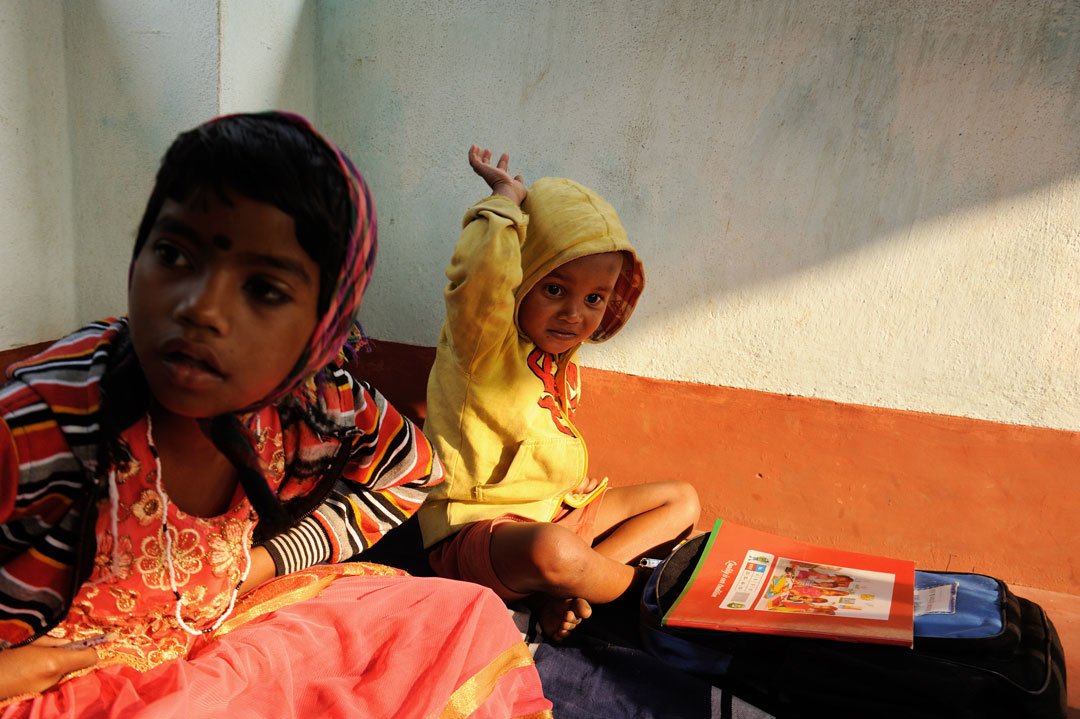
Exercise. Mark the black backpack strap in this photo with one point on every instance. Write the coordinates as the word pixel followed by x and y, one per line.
pixel 725 704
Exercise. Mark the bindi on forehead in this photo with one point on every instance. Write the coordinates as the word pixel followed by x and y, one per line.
pixel 221 242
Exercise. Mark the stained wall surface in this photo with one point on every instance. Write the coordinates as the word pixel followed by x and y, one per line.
pixel 874 203
pixel 35 176
pixel 92 93
pixel 871 202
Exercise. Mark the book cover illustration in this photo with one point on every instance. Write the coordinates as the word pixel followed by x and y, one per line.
pixel 819 589
pixel 748 580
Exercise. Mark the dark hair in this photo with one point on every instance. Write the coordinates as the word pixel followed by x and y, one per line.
pixel 268 158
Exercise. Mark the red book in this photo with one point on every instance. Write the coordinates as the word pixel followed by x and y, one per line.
pixel 752 581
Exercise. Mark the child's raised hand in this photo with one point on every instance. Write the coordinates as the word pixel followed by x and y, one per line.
pixel 497 176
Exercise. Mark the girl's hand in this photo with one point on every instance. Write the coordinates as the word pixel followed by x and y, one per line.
pixel 40 665
pixel 498 176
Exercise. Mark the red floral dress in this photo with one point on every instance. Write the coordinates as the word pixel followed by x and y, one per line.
pixel 129 593
pixel 352 639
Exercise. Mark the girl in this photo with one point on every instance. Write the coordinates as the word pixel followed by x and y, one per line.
pixel 141 457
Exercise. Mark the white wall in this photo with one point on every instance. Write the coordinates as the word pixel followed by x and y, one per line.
pixel 870 202
pixel 94 91
pixel 267 56
pixel 137 74
pixel 35 176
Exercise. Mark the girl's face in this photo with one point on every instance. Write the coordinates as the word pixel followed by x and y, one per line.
pixel 222 302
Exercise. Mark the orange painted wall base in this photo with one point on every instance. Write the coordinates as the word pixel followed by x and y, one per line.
pixel 947 492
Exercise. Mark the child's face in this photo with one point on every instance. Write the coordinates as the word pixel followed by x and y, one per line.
pixel 566 306
pixel 222 302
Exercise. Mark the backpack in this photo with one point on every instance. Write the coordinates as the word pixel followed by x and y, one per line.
pixel 998 656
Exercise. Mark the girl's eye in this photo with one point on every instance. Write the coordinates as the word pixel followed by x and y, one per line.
pixel 170 255
pixel 553 290
pixel 266 292
pixel 594 300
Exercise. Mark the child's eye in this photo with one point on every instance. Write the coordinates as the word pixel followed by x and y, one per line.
pixel 553 290
pixel 170 255
pixel 266 292
pixel 594 300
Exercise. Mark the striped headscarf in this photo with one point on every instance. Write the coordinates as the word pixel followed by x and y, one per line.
pixel 311 391
pixel 337 336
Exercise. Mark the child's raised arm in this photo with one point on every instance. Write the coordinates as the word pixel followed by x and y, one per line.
pixel 498 176
pixel 485 269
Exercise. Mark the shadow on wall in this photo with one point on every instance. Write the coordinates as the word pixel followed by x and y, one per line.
pixel 742 141
pixel 137 74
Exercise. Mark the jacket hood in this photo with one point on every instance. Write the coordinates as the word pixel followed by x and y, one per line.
pixel 566 221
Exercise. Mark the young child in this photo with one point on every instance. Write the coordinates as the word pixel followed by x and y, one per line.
pixel 139 456
pixel 535 274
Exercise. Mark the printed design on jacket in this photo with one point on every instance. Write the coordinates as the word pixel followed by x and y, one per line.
pixel 543 365
pixel 572 387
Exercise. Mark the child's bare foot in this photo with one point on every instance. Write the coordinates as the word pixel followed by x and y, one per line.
pixel 560 615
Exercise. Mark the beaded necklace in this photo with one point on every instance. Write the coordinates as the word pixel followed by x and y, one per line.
pixel 245 542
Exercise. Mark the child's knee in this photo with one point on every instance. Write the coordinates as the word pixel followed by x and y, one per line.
pixel 557 554
pixel 684 498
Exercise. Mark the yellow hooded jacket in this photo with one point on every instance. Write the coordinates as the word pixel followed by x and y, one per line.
pixel 499 408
